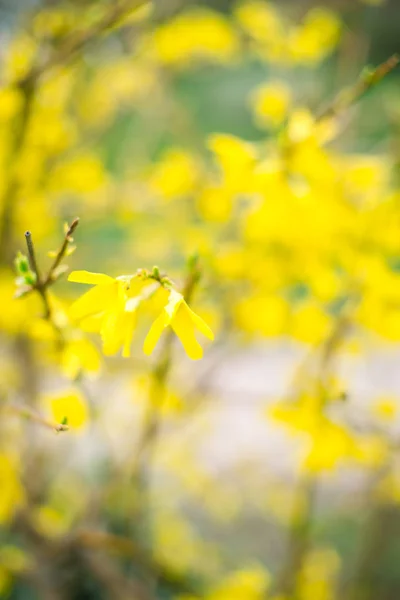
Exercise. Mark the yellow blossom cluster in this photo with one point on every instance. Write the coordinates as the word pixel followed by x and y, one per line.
pixel 198 139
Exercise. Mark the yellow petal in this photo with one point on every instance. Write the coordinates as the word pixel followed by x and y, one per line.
pixel 154 334
pixel 92 324
pixel 96 300
pixel 183 326
pixel 91 278
pixel 175 300
pixel 130 322
pixel 200 324
pixel 112 332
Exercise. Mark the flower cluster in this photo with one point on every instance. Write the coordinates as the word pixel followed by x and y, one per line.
pixel 111 307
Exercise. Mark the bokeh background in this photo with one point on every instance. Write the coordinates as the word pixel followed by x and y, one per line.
pixel 251 152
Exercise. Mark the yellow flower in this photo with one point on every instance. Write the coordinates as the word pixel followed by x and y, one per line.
pixel 386 409
pixel 12 494
pixel 195 35
pixel 111 306
pixel 270 103
pixel 183 321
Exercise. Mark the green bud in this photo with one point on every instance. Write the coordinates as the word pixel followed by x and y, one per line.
pixel 21 263
pixel 30 278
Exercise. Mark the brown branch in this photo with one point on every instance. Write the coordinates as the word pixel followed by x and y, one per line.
pixel 61 253
pixel 9 196
pixel 32 415
pixel 42 285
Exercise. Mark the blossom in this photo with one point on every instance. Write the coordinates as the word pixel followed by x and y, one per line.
pixel 109 307
pixel 183 321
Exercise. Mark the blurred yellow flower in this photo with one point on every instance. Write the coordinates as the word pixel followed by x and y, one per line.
pixel 176 174
pixel 270 103
pixel 196 34
pixel 12 494
pixel 386 409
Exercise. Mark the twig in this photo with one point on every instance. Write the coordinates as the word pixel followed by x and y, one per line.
pixel 161 373
pixel 367 80
pixel 32 415
pixel 32 257
pixel 61 253
pixel 11 186
pixel 42 285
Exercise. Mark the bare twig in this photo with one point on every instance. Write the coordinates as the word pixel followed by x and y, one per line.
pixel 61 253
pixel 42 285
pixel 32 257
pixel 368 79
pixel 32 415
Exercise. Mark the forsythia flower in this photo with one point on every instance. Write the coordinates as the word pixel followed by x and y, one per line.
pixel 110 306
pixel 270 103
pixel 183 321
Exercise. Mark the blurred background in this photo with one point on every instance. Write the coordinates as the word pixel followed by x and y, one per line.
pixel 251 152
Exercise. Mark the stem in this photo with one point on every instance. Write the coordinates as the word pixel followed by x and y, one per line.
pixel 38 285
pixel 42 285
pixel 32 257
pixel 32 415
pixel 299 539
pixel 10 194
pixel 151 423
pixel 346 98
pixel 160 376
pixel 61 253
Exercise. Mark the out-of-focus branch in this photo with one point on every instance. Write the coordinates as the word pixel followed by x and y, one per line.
pixel 52 274
pixel 160 375
pixel 299 536
pixel 350 96
pixel 28 413
pixel 91 539
pixel 112 579
pixel 77 41
pixel 150 428
pixel 11 186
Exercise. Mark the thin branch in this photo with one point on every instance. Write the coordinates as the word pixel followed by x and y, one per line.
pixel 11 184
pixel 42 285
pixel 61 253
pixel 368 79
pixel 34 416
pixel 32 257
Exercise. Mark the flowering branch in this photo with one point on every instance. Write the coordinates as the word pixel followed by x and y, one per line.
pixel 76 41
